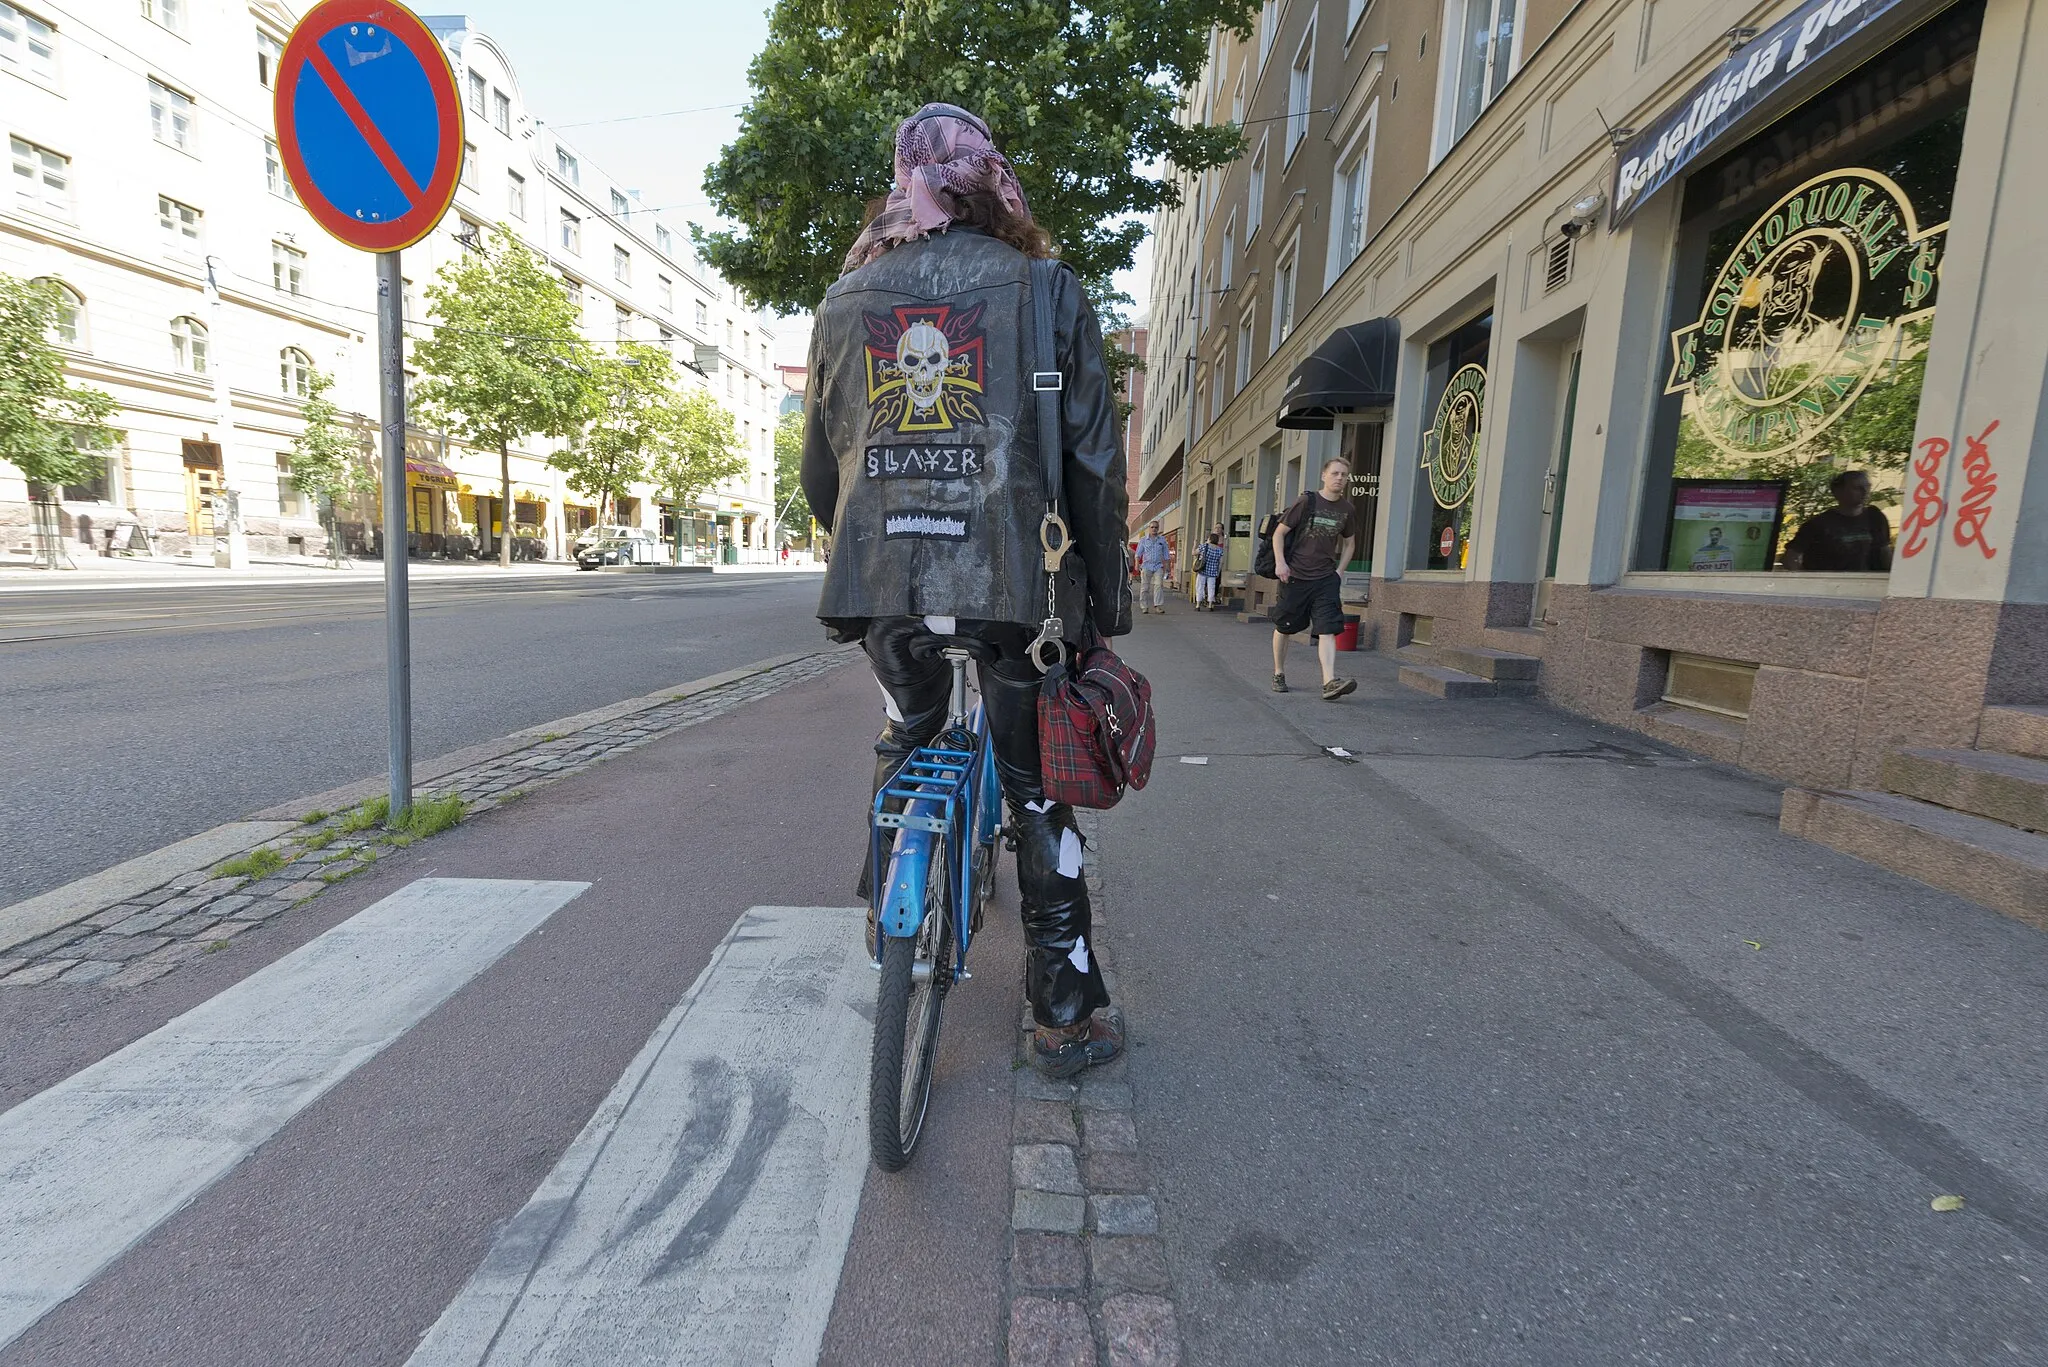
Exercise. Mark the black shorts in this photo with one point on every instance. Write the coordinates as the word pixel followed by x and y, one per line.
pixel 1310 602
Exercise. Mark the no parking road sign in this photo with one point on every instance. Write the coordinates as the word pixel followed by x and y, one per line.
pixel 369 123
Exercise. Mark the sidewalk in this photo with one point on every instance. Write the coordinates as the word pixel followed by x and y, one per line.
pixel 1515 1038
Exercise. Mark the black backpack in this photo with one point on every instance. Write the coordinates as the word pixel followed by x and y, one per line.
pixel 1263 564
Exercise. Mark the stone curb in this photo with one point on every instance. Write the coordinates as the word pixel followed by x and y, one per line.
pixel 1088 1281
pixel 135 922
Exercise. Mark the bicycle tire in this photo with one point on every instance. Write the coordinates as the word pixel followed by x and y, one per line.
pixel 900 1068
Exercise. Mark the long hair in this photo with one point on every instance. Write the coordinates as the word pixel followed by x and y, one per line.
pixel 984 209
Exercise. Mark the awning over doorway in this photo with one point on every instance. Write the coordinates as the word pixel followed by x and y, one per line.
pixel 1351 371
pixel 431 474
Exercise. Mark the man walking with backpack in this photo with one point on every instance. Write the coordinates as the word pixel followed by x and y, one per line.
pixel 1310 545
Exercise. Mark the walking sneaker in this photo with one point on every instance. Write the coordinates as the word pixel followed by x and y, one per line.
pixel 1337 688
pixel 1279 683
pixel 1060 1052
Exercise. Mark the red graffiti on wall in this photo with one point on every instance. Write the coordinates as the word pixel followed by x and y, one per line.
pixel 1973 509
pixel 1928 504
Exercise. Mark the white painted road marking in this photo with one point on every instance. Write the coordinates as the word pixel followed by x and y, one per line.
pixel 90 1166
pixel 703 1214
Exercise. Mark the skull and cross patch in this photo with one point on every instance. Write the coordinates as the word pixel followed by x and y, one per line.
pixel 926 367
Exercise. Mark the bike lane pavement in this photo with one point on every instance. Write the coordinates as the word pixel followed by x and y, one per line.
pixel 345 1236
pixel 1513 1038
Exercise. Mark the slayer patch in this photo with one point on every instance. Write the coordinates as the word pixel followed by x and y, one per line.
pixel 928 526
pixel 924 462
pixel 926 367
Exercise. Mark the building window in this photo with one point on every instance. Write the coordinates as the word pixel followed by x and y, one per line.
pixel 1283 292
pixel 1269 26
pixel 1255 194
pixel 170 116
pixel 269 52
pixel 188 345
pixel 67 325
pixel 1300 89
pixel 169 13
pixel 622 265
pixel 573 289
pixel 181 223
pixel 1453 415
pixel 621 206
pixel 622 323
pixel 702 316
pixel 1354 10
pixel 1245 335
pixel 1237 102
pixel 572 233
pixel 501 111
pixel 291 501
pixel 28 46
pixel 469 234
pixel 665 292
pixel 1227 265
pixel 567 167
pixel 479 91
pixel 469 166
pixel 1478 59
pixel 295 373
pixel 664 241
pixel 41 177
pixel 1348 227
pixel 408 305
pixel 287 268
pixel 274 177
pixel 668 340
pixel 515 195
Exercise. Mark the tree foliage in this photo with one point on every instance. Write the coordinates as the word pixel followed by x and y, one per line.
pixel 1078 97
pixel 790 503
pixel 702 451
pixel 637 413
pixel 327 462
pixel 504 359
pixel 49 427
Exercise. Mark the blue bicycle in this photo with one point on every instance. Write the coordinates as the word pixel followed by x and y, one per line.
pixel 934 831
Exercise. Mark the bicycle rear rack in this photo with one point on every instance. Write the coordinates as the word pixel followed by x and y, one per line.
pixel 933 774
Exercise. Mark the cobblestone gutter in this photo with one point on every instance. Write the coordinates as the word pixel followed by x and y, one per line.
pixel 1088 1281
pixel 146 936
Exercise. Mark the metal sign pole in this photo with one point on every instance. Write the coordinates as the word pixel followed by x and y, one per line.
pixel 397 600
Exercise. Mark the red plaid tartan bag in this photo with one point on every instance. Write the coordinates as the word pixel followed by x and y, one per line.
pixel 1096 731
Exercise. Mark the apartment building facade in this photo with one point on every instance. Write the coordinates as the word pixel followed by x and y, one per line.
pixel 147 185
pixel 1593 295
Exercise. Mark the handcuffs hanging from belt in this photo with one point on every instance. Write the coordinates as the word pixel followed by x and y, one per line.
pixel 1055 540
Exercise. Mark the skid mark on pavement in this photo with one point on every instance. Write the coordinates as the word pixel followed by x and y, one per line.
pixel 703 1214
pixel 93 1164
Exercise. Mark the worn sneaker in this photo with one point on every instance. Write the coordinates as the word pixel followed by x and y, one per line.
pixel 1061 1052
pixel 1337 688
pixel 1279 683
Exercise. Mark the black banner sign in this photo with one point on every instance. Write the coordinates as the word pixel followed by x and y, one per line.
pixel 1779 54
pixel 924 462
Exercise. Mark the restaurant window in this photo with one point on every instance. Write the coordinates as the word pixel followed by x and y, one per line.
pixel 1808 263
pixel 1453 413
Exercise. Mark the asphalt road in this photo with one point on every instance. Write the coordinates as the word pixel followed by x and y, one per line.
pixel 139 716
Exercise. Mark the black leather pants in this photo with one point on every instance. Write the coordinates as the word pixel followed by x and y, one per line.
pixel 1061 977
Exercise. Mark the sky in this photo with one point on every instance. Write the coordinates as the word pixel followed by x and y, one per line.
pixel 620 60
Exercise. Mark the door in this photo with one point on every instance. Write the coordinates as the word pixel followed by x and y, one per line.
pixel 1553 491
pixel 202 495
pixel 1239 560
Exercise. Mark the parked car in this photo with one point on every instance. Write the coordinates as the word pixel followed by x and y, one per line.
pixel 617 550
pixel 590 536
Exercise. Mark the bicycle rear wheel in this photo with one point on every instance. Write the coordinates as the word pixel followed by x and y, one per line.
pixel 915 973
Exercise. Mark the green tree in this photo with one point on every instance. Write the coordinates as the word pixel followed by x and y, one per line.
pixel 504 359
pixel 702 450
pixel 793 509
pixel 50 429
pixel 326 461
pixel 1079 99
pixel 637 413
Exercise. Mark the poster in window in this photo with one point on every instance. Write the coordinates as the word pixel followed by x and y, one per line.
pixel 1724 525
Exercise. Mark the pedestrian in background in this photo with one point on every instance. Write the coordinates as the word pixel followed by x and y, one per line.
pixel 1208 571
pixel 1310 544
pixel 1152 558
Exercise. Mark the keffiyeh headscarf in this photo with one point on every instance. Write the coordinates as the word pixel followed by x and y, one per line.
pixel 942 153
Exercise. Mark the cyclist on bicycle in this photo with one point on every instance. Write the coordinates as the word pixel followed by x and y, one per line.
pixel 920 457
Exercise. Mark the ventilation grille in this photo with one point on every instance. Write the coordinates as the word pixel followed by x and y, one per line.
pixel 1557 266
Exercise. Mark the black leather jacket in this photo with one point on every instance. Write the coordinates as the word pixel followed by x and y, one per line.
pixel 921 444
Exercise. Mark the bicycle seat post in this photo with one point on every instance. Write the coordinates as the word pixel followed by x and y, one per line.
pixel 956 708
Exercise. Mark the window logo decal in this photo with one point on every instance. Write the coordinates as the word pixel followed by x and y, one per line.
pixel 1450 449
pixel 1832 284
pixel 926 365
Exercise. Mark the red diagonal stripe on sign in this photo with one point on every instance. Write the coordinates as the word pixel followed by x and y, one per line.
pixel 365 125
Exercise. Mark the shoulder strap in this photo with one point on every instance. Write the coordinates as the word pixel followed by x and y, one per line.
pixel 1046 382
